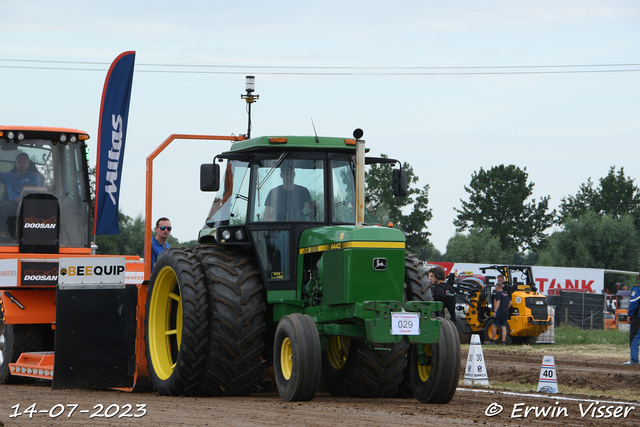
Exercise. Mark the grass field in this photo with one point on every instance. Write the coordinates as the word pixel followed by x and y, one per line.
pixel 574 336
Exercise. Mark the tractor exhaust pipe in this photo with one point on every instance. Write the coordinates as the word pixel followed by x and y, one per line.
pixel 357 134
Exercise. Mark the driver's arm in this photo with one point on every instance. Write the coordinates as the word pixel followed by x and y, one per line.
pixel 269 214
pixel 269 208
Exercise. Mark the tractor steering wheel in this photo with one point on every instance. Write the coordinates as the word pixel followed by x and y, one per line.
pixel 299 214
pixel 31 179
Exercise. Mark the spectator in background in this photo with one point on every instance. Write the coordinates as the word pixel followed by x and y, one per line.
pixel 159 243
pixel 444 292
pixel 634 329
pixel 501 306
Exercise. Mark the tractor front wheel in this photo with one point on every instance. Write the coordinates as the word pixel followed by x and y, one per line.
pixel 297 358
pixel 435 372
pixel 176 323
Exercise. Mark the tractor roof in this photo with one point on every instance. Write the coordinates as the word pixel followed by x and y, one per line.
pixel 280 143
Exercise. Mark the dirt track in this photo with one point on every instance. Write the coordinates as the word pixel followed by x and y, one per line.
pixel 468 407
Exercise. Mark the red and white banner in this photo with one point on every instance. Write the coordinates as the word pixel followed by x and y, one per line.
pixel 549 280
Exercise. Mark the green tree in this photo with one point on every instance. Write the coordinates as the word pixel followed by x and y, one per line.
pixel 389 208
pixel 130 240
pixel 594 241
pixel 616 195
pixel 429 252
pixel 478 246
pixel 498 203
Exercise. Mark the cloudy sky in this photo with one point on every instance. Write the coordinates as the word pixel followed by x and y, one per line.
pixel 450 87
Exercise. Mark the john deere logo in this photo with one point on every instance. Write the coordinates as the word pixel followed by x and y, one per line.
pixel 379 264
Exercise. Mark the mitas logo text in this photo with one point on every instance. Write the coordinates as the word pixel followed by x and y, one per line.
pixel 92 270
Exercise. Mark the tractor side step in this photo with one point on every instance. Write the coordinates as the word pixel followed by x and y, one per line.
pixel 34 365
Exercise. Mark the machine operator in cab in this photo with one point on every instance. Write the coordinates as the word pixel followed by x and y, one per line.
pixel 289 202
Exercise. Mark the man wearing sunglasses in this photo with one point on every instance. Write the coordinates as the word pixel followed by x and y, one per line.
pixel 159 243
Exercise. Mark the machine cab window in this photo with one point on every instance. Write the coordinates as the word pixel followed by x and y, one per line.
pixel 43 180
pixel 289 190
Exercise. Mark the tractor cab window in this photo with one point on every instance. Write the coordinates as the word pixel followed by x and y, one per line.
pixel 42 166
pixel 230 204
pixel 288 190
pixel 343 183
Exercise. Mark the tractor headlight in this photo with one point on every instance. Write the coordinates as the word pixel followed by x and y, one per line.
pixel 232 235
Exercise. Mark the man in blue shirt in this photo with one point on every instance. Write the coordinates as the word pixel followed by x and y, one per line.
pixel 159 243
pixel 634 329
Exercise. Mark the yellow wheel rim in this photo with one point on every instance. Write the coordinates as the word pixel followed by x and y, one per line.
pixel 165 323
pixel 425 370
pixel 338 351
pixel 286 358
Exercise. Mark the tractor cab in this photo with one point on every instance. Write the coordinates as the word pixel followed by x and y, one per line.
pixel 43 189
pixel 276 188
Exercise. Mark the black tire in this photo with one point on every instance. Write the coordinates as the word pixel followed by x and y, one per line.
pixel 437 380
pixel 176 323
pixel 465 338
pixel 417 288
pixel 416 279
pixel 491 337
pixel 15 340
pixel 237 313
pixel 297 359
pixel 351 369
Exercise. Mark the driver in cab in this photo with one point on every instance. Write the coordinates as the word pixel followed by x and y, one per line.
pixel 288 202
pixel 23 174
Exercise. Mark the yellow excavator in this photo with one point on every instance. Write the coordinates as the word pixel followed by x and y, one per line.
pixel 528 316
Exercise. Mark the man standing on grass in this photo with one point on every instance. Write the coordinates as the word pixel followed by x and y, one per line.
pixel 634 329
pixel 501 306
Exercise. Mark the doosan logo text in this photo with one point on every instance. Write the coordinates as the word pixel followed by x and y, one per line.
pixel 37 225
pixel 39 278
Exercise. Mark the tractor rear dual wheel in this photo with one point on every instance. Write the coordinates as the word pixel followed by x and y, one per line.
pixel 297 359
pixel 237 315
pixel 176 323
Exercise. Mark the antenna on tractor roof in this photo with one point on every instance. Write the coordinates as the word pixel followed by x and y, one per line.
pixel 314 131
pixel 250 98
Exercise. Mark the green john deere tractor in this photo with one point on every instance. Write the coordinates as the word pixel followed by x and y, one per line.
pixel 288 273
